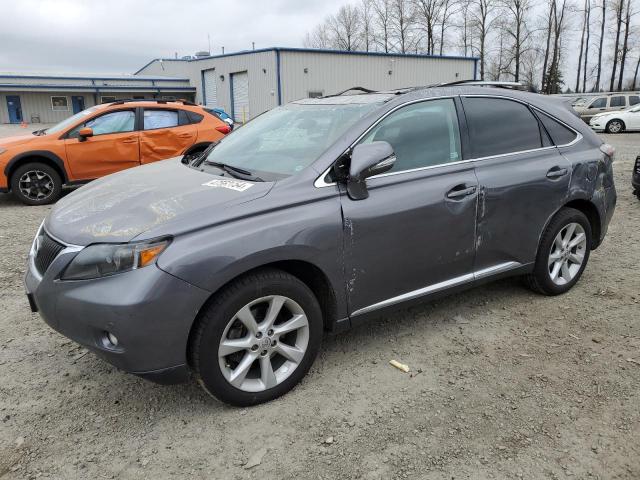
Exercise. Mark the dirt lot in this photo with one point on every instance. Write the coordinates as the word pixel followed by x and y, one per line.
pixel 509 384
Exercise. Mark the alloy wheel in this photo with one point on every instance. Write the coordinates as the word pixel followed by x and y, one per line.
pixel 263 343
pixel 36 185
pixel 567 253
pixel 615 127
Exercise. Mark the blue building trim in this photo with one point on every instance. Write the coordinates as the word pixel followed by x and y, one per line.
pixel 278 78
pixel 233 113
pixel 92 88
pixel 475 69
pixel 204 90
pixel 125 78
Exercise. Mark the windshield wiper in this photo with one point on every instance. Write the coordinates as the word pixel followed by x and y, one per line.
pixel 233 170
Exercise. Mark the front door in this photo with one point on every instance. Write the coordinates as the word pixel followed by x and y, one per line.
pixel 523 181
pixel 114 146
pixel 77 101
pixel 15 108
pixel 165 134
pixel 414 235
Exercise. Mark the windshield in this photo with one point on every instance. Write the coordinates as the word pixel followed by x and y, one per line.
pixel 286 139
pixel 71 120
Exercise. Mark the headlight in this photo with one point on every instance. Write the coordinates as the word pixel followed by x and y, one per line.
pixel 104 259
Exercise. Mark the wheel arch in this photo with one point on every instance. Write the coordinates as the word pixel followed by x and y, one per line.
pixel 590 211
pixel 624 125
pixel 308 273
pixel 41 156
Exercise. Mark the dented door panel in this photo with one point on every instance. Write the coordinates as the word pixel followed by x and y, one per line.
pixel 164 143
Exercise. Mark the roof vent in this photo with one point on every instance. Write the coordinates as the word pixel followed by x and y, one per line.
pixel 203 54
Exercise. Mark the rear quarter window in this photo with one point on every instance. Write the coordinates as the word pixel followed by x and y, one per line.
pixel 498 126
pixel 560 134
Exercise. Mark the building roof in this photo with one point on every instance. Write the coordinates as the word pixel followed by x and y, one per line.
pixel 311 50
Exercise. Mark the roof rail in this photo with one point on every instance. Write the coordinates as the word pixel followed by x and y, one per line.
pixel 358 89
pixel 484 83
pixel 157 100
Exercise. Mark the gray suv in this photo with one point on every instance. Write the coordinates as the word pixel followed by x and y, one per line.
pixel 315 217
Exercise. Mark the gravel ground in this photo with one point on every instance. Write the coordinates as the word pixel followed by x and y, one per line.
pixel 505 384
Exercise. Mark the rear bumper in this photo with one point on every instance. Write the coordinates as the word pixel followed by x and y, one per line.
pixel 148 310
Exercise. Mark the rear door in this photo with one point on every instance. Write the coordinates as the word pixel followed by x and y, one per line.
pixel 113 146
pixel 414 235
pixel 523 180
pixel 165 133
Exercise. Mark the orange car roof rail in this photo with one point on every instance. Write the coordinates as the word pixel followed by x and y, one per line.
pixel 129 100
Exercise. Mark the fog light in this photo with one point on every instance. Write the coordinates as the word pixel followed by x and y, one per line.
pixel 112 339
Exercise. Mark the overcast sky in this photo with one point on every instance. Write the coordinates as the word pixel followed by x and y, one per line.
pixel 120 36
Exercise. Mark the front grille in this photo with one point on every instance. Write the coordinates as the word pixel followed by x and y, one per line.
pixel 47 251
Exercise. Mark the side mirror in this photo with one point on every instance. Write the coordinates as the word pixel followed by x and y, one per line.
pixel 85 133
pixel 367 160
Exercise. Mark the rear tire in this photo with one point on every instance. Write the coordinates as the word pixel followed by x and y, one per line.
pixel 257 338
pixel 563 253
pixel 614 126
pixel 36 184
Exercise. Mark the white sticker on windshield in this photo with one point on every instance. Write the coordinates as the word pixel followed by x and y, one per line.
pixel 237 185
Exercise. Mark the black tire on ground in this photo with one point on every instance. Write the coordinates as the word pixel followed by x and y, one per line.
pixel 212 322
pixel 540 279
pixel 614 126
pixel 45 180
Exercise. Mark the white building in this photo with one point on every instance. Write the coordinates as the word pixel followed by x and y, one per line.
pixel 244 84
pixel 247 83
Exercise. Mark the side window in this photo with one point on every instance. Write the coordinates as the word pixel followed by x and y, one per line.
pixel 194 117
pixel 155 118
pixel 617 101
pixel 498 126
pixel 422 135
pixel 560 134
pixel 599 103
pixel 634 99
pixel 113 122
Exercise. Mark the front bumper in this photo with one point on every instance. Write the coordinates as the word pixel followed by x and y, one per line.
pixel 148 310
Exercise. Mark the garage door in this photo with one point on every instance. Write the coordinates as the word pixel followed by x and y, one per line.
pixel 240 95
pixel 210 93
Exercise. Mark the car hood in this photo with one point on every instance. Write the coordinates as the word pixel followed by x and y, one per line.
pixel 163 198
pixel 18 140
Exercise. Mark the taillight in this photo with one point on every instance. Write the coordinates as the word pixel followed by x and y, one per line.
pixel 224 129
pixel 608 150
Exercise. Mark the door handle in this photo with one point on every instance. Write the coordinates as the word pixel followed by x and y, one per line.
pixel 130 140
pixel 556 172
pixel 460 191
pixel 185 135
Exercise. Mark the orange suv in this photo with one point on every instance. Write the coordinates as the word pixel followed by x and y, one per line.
pixel 102 140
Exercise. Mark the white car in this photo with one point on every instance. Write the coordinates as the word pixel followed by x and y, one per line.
pixel 616 122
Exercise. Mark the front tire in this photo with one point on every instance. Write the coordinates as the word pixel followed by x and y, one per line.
pixel 563 253
pixel 257 338
pixel 36 184
pixel 614 126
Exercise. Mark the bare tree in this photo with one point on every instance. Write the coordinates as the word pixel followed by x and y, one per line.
pixel 466 31
pixel 427 13
pixel 402 22
pixel 635 75
pixel 584 31
pixel 554 75
pixel 618 8
pixel 383 13
pixel 625 44
pixel 319 37
pixel 586 48
pixel 549 33
pixel 449 9
pixel 367 21
pixel 516 28
pixel 602 25
pixel 483 19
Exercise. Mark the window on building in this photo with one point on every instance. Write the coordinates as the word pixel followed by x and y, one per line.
pixel 599 103
pixel 107 99
pixel 315 94
pixel 617 101
pixel 156 118
pixel 498 126
pixel 168 98
pixel 423 134
pixel 60 104
pixel 560 134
